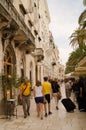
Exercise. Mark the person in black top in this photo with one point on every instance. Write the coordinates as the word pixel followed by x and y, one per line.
pixel 81 96
pixel 56 91
pixel 75 89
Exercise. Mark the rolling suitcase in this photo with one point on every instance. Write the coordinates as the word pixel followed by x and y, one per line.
pixel 68 104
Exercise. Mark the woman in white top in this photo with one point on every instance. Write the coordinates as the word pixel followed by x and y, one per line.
pixel 39 98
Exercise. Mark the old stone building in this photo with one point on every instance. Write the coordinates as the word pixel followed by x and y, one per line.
pixel 25 48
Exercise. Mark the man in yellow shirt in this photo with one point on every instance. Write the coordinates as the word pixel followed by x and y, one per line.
pixel 47 89
pixel 25 89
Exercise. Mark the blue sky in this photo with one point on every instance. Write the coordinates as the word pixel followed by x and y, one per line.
pixel 64 16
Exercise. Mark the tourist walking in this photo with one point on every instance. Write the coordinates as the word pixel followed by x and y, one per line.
pixel 75 89
pixel 39 99
pixel 25 90
pixel 47 95
pixel 56 91
pixel 68 86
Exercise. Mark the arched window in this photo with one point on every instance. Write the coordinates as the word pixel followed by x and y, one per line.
pixel 9 61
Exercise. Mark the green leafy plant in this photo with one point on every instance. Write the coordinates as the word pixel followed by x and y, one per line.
pixel 10 82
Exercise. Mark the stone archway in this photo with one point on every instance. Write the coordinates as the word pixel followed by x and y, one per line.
pixel 9 70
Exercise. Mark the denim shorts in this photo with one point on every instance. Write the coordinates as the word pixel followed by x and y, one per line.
pixel 39 99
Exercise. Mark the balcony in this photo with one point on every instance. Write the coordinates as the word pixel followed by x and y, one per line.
pixel 18 29
pixel 8 29
pixel 27 46
pixel 38 54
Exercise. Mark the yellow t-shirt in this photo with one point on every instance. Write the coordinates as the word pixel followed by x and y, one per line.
pixel 27 90
pixel 46 88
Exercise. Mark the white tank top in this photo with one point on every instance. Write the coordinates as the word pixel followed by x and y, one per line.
pixel 38 91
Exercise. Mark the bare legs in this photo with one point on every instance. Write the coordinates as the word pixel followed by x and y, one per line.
pixel 56 100
pixel 39 107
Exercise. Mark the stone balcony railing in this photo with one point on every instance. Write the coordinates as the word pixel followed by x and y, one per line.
pixel 38 54
pixel 8 11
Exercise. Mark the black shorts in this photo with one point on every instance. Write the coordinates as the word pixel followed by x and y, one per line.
pixel 39 99
pixel 47 97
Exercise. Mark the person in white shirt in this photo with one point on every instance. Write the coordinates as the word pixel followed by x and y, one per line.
pixel 68 87
pixel 39 98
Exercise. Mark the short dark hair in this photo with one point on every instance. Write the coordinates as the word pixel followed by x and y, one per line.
pixel 45 78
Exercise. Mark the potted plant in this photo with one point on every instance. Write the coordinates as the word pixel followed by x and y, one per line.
pixel 9 84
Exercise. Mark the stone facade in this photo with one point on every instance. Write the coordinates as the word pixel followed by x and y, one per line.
pixel 25 48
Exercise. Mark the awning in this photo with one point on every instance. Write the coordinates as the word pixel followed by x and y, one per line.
pixel 78 73
pixel 81 68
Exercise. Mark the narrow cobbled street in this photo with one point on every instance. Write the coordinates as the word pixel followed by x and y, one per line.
pixel 59 120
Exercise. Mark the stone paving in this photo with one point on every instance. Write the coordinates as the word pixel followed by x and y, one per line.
pixel 59 120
